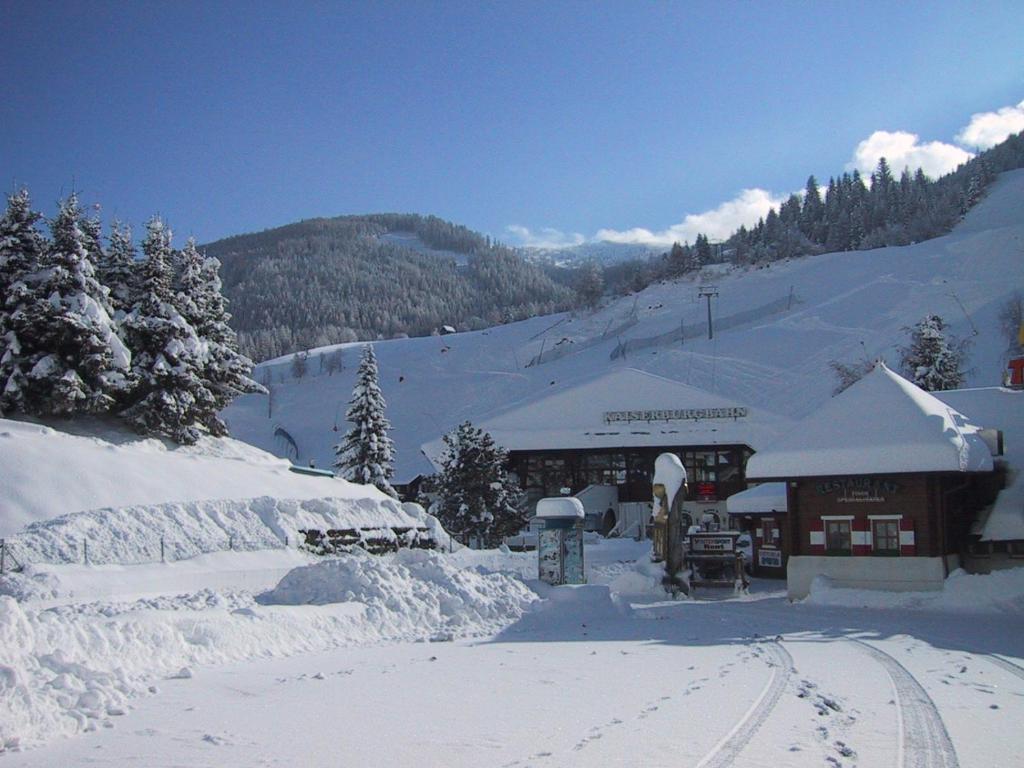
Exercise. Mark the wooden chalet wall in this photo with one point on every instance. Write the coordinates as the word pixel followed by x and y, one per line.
pixel 937 507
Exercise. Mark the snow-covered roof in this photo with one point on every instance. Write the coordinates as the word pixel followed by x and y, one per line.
pixel 628 408
pixel 1003 409
pixel 881 424
pixel 763 498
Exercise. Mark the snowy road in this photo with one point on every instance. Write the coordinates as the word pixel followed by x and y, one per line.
pixel 741 682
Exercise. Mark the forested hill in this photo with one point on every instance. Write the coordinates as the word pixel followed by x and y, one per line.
pixel 328 280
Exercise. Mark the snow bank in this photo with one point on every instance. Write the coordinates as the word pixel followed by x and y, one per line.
pixel 997 592
pixel 47 473
pixel 426 587
pixel 133 534
pixel 69 669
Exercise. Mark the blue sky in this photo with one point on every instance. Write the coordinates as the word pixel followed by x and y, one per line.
pixel 560 120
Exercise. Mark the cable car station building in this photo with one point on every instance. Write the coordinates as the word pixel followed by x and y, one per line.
pixel 598 441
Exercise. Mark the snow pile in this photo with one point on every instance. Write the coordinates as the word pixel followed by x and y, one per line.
pixel 49 584
pixel 997 592
pixel 641 578
pixel 75 668
pixel 425 587
pixel 133 534
pixel 522 565
pixel 47 473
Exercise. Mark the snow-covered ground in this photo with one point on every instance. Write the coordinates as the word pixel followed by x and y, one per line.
pixel 846 307
pixel 462 660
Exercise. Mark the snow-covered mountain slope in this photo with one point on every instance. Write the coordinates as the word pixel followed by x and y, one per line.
pixel 47 473
pixel 776 329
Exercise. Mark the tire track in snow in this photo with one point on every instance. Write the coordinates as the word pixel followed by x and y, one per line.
pixel 924 740
pixel 728 749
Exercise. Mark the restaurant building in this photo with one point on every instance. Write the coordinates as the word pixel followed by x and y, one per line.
pixel 883 485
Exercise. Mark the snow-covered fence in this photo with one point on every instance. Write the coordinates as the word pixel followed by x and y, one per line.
pixel 177 531
pixel 8 562
pixel 700 330
pixel 567 346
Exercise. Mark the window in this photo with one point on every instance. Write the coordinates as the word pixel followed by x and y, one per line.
pixel 837 537
pixel 770 532
pixel 885 537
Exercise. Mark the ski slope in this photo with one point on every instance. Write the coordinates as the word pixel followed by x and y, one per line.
pixel 778 328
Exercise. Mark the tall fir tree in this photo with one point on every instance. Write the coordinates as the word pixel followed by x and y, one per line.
pixel 366 453
pixel 932 360
pixel 169 397
pixel 21 253
pixel 226 373
pixel 118 269
pixel 477 500
pixel 69 359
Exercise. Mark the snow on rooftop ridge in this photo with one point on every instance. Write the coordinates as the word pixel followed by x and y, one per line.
pixel 589 413
pixel 583 401
pixel 882 424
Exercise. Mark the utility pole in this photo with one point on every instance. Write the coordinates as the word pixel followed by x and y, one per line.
pixel 708 292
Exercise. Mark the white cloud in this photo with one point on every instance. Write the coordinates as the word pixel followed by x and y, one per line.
pixel 718 223
pixel 544 238
pixel 987 129
pixel 903 150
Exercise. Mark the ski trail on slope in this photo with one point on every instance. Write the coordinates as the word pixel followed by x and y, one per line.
pixel 732 744
pixel 924 740
pixel 1014 669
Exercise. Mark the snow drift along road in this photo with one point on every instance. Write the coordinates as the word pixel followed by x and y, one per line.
pixel 76 668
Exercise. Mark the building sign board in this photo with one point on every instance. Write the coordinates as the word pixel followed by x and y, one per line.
pixel 676 414
pixel 711 545
pixel 858 489
pixel 769 558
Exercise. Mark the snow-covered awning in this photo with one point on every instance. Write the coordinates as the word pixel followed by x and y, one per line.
pixel 761 499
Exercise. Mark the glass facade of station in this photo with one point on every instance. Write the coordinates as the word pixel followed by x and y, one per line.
pixel 713 473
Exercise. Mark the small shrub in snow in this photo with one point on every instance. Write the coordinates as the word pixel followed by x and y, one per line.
pixel 932 360
pixel 477 500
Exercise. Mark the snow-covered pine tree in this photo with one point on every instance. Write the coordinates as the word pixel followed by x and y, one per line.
pixel 21 252
pixel 226 373
pixel 931 360
pixel 118 269
pixel 169 397
pixel 477 500
pixel 70 359
pixel 366 453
